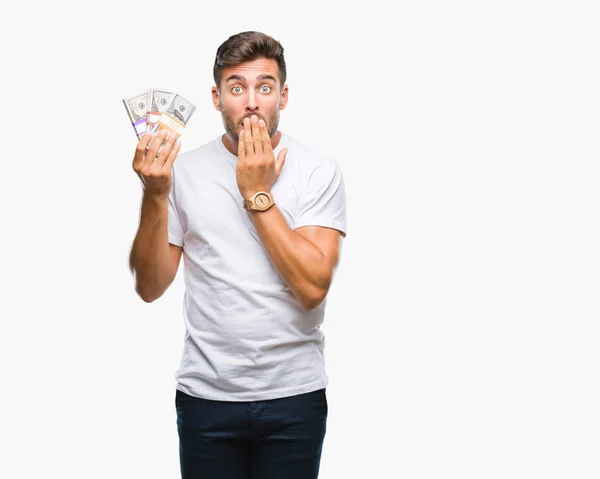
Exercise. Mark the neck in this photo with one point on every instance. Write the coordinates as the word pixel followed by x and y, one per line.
pixel 232 145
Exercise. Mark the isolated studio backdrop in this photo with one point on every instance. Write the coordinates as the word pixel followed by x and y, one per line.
pixel 461 328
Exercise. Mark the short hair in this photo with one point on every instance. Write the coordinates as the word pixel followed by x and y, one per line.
pixel 246 47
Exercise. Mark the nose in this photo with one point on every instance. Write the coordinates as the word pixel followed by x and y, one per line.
pixel 252 104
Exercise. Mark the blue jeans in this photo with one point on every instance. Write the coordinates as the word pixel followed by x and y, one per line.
pixel 274 439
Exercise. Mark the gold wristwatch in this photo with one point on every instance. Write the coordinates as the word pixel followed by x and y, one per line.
pixel 260 201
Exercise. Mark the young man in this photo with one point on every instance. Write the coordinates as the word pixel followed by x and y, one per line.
pixel 259 219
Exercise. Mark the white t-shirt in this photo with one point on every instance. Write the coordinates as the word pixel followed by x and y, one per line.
pixel 247 338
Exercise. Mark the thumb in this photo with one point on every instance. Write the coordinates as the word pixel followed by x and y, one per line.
pixel 280 161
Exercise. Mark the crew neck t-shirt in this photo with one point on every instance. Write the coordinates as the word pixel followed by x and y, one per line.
pixel 247 337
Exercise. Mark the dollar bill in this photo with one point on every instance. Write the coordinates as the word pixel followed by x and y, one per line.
pixel 177 115
pixel 159 101
pixel 137 107
pixel 180 109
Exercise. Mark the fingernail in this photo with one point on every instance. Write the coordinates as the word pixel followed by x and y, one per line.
pixel 254 118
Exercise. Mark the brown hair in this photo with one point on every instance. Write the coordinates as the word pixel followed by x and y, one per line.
pixel 246 47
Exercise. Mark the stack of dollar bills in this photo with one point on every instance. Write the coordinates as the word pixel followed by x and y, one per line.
pixel 155 109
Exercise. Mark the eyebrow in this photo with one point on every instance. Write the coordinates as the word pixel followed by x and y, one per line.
pixel 259 77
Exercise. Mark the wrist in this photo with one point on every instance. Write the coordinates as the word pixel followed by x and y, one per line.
pixel 155 198
pixel 259 201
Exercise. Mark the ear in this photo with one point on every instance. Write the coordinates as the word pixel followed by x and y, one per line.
pixel 284 97
pixel 215 98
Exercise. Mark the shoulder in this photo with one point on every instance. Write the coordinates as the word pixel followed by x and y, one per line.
pixel 308 160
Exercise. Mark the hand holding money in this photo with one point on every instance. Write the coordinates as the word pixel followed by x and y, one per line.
pixel 156 109
pixel 153 160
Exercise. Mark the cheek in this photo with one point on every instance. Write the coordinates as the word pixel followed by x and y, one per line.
pixel 270 108
pixel 273 102
pixel 233 104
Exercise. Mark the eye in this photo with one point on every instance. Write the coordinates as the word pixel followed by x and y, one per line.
pixel 265 88
pixel 239 88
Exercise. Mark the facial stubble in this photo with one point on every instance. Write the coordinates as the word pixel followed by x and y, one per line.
pixel 231 127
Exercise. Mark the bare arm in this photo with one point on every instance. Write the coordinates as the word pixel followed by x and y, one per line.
pixel 304 258
pixel 152 260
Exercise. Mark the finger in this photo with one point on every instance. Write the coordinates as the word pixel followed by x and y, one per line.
pixel 241 146
pixel 280 161
pixel 248 146
pixel 140 149
pixel 156 143
pixel 172 155
pixel 154 146
pixel 256 136
pixel 266 139
pixel 166 149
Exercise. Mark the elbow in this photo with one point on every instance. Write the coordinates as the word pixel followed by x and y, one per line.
pixel 149 289
pixel 310 305
pixel 146 295
pixel 313 299
pixel 146 298
pixel 314 293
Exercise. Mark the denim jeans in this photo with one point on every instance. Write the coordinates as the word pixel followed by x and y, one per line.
pixel 274 439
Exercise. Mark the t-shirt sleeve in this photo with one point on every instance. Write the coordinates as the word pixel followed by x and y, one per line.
pixel 174 224
pixel 323 200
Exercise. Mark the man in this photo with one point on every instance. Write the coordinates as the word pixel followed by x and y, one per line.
pixel 259 219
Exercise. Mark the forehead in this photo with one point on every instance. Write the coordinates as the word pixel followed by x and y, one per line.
pixel 252 70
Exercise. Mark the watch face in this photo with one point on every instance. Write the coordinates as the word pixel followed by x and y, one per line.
pixel 261 201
